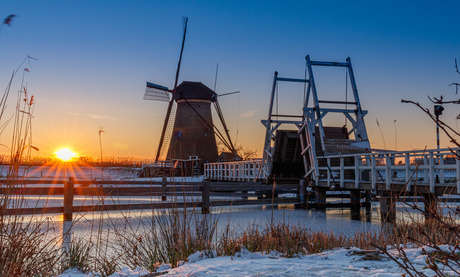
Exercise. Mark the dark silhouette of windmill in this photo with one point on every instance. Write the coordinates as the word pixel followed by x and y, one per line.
pixel 188 128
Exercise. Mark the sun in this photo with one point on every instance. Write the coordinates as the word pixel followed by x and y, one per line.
pixel 65 154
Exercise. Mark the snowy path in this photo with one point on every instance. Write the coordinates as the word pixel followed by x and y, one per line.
pixel 340 262
pixel 330 263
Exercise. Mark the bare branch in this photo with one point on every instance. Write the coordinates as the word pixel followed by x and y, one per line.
pixel 440 123
pixel 456 86
pixel 436 100
pixel 441 101
pixel 456 66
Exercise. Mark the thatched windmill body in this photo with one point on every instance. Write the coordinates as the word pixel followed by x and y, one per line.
pixel 188 128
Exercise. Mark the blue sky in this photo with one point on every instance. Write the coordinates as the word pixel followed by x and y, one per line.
pixel 94 58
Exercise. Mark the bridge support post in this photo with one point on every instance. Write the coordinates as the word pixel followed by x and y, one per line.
pixel 387 208
pixel 205 198
pixel 368 206
pixel 68 199
pixel 320 196
pixel 431 205
pixel 302 193
pixel 355 202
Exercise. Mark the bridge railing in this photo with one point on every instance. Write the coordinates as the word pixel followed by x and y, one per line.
pixel 422 167
pixel 249 171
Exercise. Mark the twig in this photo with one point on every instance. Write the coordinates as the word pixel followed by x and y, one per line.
pixel 441 124
pixel 440 100
pixel 456 66
pixel 403 266
pixel 456 86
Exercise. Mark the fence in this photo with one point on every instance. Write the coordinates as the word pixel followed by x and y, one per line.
pixel 249 171
pixel 202 195
pixel 433 168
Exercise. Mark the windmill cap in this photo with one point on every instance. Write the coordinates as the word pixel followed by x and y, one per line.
pixel 194 90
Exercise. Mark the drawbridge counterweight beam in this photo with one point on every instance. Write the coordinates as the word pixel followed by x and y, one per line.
pixel 313 135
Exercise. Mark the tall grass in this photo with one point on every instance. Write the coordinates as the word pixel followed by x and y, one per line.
pixel 26 246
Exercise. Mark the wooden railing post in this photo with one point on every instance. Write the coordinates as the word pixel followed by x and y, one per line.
pixel 68 199
pixel 458 170
pixel 163 189
pixel 205 198
pixel 407 170
pixel 431 181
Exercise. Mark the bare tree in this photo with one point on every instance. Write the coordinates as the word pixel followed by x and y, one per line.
pixel 449 131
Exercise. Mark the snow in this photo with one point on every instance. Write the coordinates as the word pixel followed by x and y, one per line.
pixel 339 262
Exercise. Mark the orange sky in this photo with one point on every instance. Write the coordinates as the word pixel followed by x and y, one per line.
pixel 94 58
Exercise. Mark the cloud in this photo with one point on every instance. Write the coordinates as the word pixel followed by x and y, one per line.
pixel 93 116
pixel 249 113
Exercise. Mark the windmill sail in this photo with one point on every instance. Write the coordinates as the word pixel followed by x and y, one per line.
pixel 156 92
pixel 168 113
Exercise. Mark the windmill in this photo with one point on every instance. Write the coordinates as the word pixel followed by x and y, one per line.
pixel 188 128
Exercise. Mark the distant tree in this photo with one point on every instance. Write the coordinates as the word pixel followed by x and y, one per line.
pixel 246 153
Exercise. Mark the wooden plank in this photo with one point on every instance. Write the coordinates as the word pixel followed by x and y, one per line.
pixel 25 211
pixel 281 200
pixel 32 191
pixel 140 191
pixel 140 206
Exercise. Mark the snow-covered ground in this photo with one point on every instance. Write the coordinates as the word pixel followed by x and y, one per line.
pixel 340 262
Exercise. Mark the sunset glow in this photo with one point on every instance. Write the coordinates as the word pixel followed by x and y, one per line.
pixel 65 154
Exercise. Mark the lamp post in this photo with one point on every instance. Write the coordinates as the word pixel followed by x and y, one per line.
pixel 437 112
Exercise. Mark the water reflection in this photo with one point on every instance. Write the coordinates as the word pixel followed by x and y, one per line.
pixel 237 218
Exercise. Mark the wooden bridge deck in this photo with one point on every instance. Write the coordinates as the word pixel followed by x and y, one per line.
pixel 430 171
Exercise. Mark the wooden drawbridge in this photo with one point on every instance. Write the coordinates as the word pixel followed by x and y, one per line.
pixel 303 146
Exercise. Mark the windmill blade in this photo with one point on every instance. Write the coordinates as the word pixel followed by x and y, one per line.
pixel 171 102
pixel 165 125
pixel 222 120
pixel 184 22
pixel 156 92
pixel 228 93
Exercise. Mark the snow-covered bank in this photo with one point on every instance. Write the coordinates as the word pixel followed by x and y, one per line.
pixel 340 262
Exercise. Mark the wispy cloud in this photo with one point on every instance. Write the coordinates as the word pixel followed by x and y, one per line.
pixel 93 116
pixel 250 113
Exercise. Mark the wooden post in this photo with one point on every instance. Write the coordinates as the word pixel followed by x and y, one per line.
pixel 431 172
pixel 388 171
pixel 357 172
pixel 387 208
pixel 244 196
pixel 355 202
pixel 373 172
pixel 368 206
pixel 431 205
pixel 302 193
pixel 320 196
pixel 205 198
pixel 458 171
pixel 407 170
pixel 68 199
pixel 342 172
pixel 163 189
pixel 66 236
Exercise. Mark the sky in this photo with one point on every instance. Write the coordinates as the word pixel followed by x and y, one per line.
pixel 94 57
